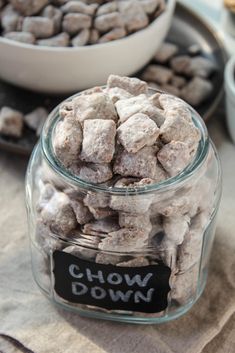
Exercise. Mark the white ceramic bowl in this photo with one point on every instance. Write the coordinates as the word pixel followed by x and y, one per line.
pixel 64 70
pixel 229 79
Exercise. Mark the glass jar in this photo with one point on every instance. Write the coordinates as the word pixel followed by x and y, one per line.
pixel 126 254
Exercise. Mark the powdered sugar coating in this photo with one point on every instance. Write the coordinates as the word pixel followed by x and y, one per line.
pixel 138 131
pixel 174 157
pixel 67 140
pixel 96 105
pixel 132 85
pixel 98 144
pixel 141 164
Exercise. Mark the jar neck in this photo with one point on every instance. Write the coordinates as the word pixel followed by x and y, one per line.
pixel 69 177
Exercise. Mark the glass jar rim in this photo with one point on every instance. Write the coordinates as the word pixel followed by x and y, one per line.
pixel 56 165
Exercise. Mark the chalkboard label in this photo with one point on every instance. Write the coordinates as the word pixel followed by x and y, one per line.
pixel 142 289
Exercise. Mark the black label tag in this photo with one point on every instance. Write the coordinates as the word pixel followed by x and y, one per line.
pixel 142 289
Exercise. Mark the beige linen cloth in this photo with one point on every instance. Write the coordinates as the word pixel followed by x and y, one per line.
pixel 29 323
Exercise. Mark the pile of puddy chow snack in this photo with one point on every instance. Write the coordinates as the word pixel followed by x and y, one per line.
pixel 125 136
pixel 120 131
pixel 63 23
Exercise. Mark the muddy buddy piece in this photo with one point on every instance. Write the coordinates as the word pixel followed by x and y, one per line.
pixel 74 22
pixel 80 7
pixel 46 241
pixel 138 131
pixel 175 157
pixel 160 174
pixel 67 141
pixel 132 85
pixel 139 104
pixel 180 110
pixel 177 128
pixel 130 106
pixel 175 228
pixel 11 122
pixel 136 204
pixel 60 40
pixel 98 141
pixel 166 52
pixel 29 7
pixel 178 81
pixel 124 240
pixel 133 15
pixel 101 227
pixel 107 8
pixel 96 200
pixel 149 6
pixel 66 109
pixel 22 37
pixel 174 205
pixel 169 102
pixel 158 74
pixel 94 106
pixel 47 191
pixel 200 66
pixel 184 286
pixel 116 93
pixel 190 249
pixel 197 91
pixel 81 38
pixel 141 164
pixel 94 36
pixel 81 212
pixel 58 214
pixel 9 19
pixel 55 14
pixel 181 64
pixel 36 119
pixel 127 220
pixel 95 173
pixel 108 21
pixel 116 33
pixel 40 27
pixel 101 213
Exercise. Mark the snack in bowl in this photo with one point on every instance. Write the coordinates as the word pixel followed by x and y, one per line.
pixel 122 195
pixel 75 23
pixel 77 39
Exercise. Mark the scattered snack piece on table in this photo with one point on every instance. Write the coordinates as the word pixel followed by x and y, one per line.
pixel 184 75
pixel 36 119
pixel 11 122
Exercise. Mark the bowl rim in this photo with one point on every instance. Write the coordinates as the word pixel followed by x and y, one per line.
pixel 169 6
pixel 229 76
